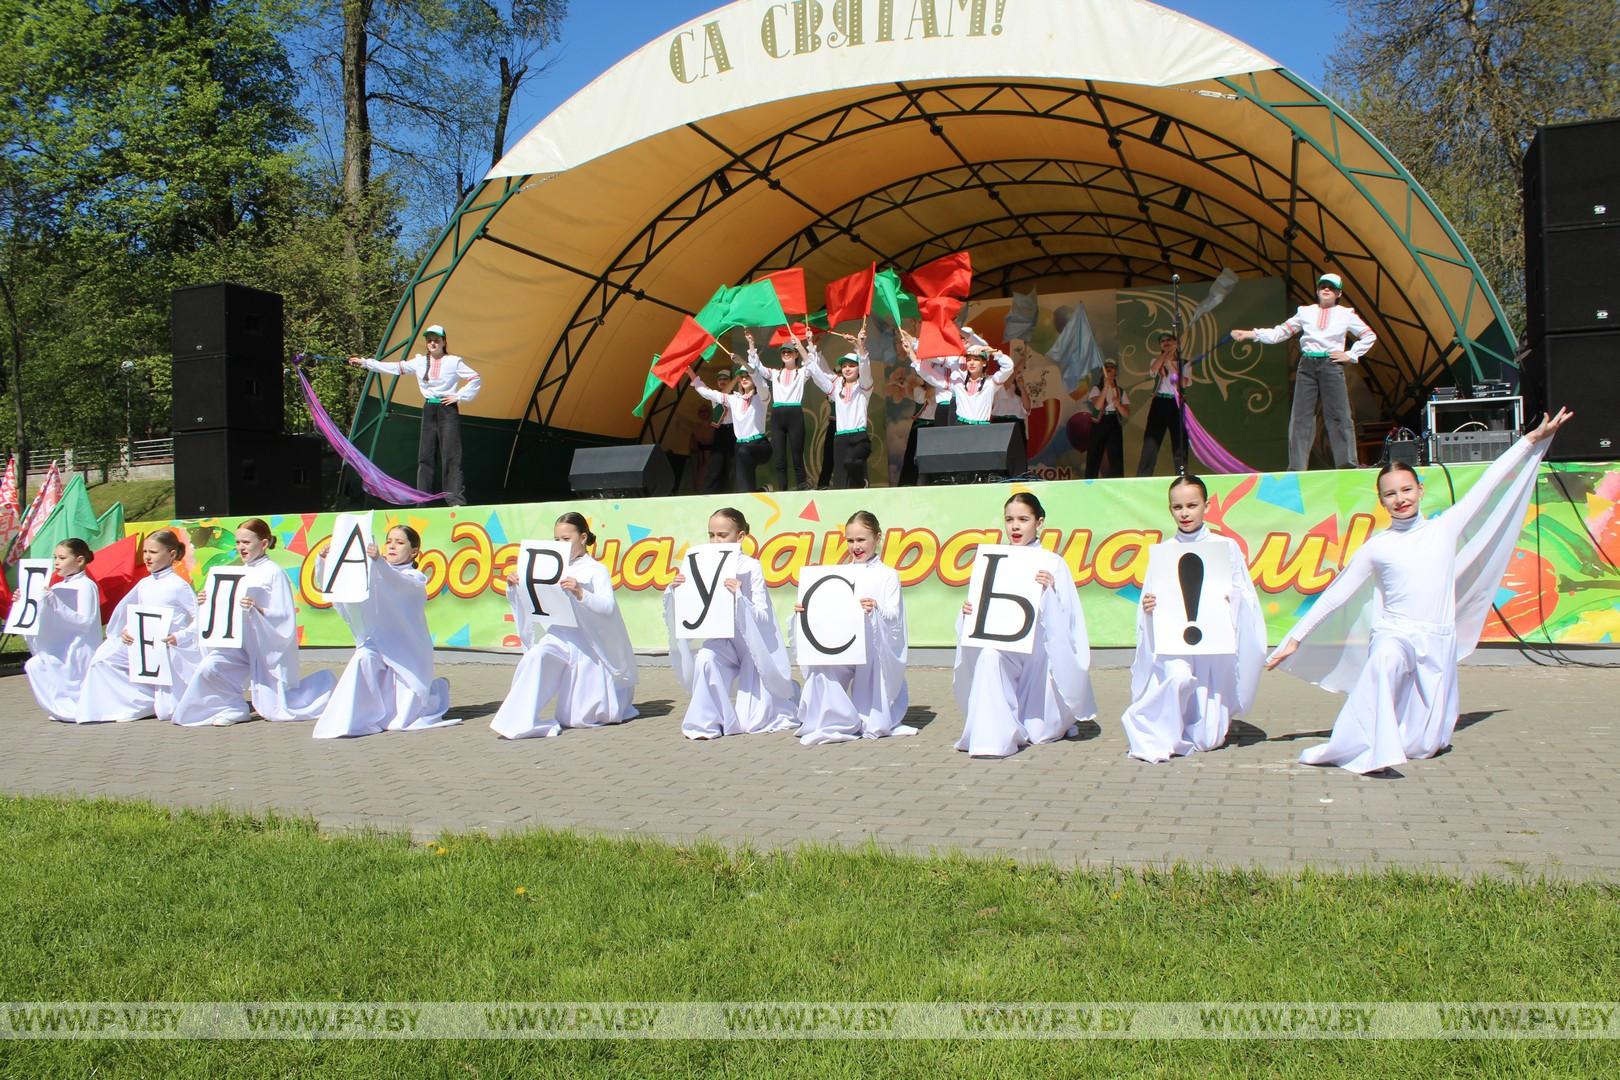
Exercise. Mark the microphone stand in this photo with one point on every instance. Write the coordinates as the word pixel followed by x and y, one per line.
pixel 1181 368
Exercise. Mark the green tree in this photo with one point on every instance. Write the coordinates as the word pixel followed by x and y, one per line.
pixel 1456 89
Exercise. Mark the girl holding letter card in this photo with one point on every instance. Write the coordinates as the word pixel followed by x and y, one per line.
pixel 589 668
pixel 1011 698
pixel 69 631
pixel 389 683
pixel 267 661
pixel 841 703
pixel 752 659
pixel 1181 704
pixel 110 693
pixel 1409 605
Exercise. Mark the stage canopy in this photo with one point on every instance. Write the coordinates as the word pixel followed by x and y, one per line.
pixel 1068 144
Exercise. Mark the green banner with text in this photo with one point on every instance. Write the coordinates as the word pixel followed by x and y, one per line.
pixel 1297 530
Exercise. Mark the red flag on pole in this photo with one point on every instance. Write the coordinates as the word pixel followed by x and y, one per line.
pixel 115 570
pixel 937 334
pixel 850 297
pixel 789 286
pixel 949 275
pixel 682 352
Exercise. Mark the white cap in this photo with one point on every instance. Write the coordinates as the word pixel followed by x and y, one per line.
pixel 435 329
pixel 1331 279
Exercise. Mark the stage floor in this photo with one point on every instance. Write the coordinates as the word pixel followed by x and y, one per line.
pixel 1528 789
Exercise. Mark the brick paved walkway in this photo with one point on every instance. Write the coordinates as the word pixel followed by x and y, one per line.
pixel 1530 787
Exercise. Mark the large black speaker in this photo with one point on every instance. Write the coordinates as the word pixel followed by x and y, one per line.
pixel 1572 176
pixel 1581 371
pixel 642 469
pixel 227 343
pixel 970 450
pixel 1572 281
pixel 228 472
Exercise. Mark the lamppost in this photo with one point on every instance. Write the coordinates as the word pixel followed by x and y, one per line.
pixel 128 368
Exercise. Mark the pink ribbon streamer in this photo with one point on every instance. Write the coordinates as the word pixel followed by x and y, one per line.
pixel 372 478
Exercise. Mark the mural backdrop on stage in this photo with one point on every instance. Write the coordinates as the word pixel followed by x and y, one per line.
pixel 1296 529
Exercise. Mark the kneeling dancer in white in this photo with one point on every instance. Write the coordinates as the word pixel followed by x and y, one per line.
pixel 753 659
pixel 1013 699
pixel 69 631
pixel 267 663
pixel 1410 605
pixel 589 668
pixel 109 693
pixel 1185 704
pixel 864 701
pixel 389 683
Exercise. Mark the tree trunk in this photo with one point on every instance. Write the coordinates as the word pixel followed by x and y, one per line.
pixel 510 78
pixel 356 152
pixel 17 391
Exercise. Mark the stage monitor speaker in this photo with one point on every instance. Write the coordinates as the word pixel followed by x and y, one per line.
pixel 1581 371
pixel 226 472
pixel 1572 176
pixel 969 451
pixel 1571 282
pixel 624 471
pixel 227 342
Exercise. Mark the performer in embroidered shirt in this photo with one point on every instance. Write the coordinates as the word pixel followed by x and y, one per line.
pixel 1323 357
pixel 787 414
pixel 446 383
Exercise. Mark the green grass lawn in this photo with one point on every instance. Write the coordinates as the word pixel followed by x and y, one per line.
pixel 127 902
pixel 144 500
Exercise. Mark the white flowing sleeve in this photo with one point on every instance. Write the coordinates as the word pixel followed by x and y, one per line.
pixel 756 628
pixel 1341 620
pixel 70 605
pixel 680 649
pixel 1488 529
pixel 1250 622
pixel 529 630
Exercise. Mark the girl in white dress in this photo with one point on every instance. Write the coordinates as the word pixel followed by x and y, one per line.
pixel 1408 607
pixel 589 669
pixel 69 631
pixel 1185 704
pixel 108 693
pixel 754 661
pixel 843 703
pixel 267 662
pixel 389 683
pixel 1012 699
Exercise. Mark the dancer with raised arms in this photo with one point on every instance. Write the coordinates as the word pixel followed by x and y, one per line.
pixel 389 683
pixel 1183 704
pixel 844 702
pixel 751 659
pixel 1012 699
pixel 787 413
pixel 746 404
pixel 1411 603
pixel 69 632
pixel 973 386
pixel 267 663
pixel 110 691
pixel 588 668
pixel 850 392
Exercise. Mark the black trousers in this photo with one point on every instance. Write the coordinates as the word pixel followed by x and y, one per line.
pixel 908 464
pixel 849 459
pixel 718 472
pixel 749 457
pixel 440 441
pixel 1107 437
pixel 787 446
pixel 1163 416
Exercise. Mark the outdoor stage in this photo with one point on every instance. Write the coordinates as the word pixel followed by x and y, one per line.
pixel 1562 586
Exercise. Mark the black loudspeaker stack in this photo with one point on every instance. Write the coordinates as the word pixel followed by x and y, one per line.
pixel 1572 286
pixel 231 456
pixel 625 471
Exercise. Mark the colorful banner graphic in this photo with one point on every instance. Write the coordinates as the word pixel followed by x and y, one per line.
pixel 1296 529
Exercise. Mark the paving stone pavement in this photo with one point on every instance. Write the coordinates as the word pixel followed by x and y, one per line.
pixel 1529 789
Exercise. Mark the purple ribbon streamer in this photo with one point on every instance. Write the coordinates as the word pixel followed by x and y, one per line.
pixel 372 478
pixel 1205 445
